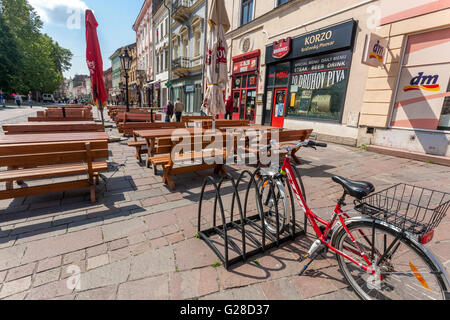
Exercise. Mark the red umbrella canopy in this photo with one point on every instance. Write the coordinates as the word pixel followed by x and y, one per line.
pixel 94 60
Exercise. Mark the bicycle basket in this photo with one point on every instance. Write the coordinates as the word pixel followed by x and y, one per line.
pixel 413 209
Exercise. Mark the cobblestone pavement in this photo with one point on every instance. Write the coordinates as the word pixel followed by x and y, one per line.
pixel 138 241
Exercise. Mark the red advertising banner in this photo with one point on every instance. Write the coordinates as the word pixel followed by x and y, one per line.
pixel 282 48
pixel 245 65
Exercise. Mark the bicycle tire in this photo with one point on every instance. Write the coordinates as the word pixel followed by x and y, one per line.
pixel 409 279
pixel 270 220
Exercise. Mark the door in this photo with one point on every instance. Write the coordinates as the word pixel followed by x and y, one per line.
pixel 279 107
pixel 236 104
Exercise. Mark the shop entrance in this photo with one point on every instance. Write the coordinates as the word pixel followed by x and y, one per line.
pixel 279 107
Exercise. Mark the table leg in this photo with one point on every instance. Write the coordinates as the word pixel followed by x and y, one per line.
pixel 150 147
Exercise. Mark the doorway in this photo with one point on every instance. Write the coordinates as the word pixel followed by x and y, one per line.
pixel 279 107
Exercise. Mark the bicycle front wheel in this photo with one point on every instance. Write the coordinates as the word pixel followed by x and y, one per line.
pixel 404 270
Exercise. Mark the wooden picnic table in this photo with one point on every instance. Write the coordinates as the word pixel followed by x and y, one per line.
pixel 252 127
pixel 52 137
pixel 51 127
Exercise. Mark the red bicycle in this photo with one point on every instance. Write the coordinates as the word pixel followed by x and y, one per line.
pixel 381 254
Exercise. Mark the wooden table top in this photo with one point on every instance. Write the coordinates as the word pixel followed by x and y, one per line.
pixel 252 127
pixel 50 124
pixel 52 137
pixel 164 133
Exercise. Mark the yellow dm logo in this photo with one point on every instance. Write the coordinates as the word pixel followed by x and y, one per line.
pixel 377 52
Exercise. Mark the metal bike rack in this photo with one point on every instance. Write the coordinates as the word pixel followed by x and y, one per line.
pixel 250 231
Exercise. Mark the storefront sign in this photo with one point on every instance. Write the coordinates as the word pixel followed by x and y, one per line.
pixel 245 65
pixel 375 51
pixel 282 48
pixel 189 88
pixel 333 38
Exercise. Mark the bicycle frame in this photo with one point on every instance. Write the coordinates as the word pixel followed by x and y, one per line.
pixel 314 219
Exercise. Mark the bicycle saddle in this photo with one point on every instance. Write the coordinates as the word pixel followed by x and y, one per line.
pixel 356 189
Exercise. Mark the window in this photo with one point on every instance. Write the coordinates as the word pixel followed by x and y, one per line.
pixel 247 11
pixel 157 64
pixel 166 53
pixel 197 43
pixel 423 94
pixel 318 86
pixel 185 47
pixel 280 2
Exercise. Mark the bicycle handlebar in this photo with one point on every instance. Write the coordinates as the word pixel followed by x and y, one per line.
pixel 305 144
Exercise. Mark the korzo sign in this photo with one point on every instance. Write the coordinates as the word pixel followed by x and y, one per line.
pixel 375 51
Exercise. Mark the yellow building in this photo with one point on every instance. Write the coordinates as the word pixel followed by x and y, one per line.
pixel 299 64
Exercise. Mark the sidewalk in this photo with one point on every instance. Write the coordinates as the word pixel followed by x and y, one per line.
pixel 138 241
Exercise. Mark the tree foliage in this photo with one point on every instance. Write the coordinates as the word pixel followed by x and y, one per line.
pixel 29 59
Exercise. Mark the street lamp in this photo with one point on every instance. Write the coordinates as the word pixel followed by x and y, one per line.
pixel 125 60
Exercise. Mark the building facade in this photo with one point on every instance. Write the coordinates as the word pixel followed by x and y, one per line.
pixel 118 74
pixel 107 78
pixel 188 35
pixel 144 51
pixel 160 29
pixel 299 64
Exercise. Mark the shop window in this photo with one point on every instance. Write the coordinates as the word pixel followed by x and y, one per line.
pixel 252 81
pixel 318 86
pixel 246 11
pixel 423 94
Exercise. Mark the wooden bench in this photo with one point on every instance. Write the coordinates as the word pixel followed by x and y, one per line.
pixel 141 145
pixel 123 117
pixel 285 138
pixel 58 115
pixel 225 123
pixel 185 119
pixel 52 160
pixel 51 127
pixel 167 156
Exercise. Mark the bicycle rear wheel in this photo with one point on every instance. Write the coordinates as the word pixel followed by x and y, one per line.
pixel 274 200
pixel 404 269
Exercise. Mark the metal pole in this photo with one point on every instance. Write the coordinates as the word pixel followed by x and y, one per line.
pixel 126 93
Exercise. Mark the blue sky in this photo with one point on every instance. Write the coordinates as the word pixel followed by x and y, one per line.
pixel 64 22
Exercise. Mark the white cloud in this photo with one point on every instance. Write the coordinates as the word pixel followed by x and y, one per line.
pixel 58 11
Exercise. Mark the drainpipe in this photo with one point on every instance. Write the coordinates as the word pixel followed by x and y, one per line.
pixel 205 30
pixel 169 59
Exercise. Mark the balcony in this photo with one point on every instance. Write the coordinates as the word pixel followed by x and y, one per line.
pixel 182 10
pixel 181 66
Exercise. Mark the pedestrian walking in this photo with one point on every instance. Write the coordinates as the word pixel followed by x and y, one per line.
pixel 2 99
pixel 179 109
pixel 229 105
pixel 30 100
pixel 18 99
pixel 169 109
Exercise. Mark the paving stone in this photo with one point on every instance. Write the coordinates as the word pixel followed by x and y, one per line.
pixel 159 220
pixel 46 277
pixel 97 250
pixel 136 238
pixel 193 283
pixel 253 292
pixel 139 248
pixel 16 286
pixel 73 269
pixel 152 263
pixel 50 263
pixel 175 238
pixel 119 254
pixel 281 289
pixel 55 246
pixel 153 201
pixel 241 275
pixel 123 229
pixel 107 275
pixel 311 286
pixel 98 261
pixel 106 293
pixel 193 253
pixel 169 229
pixel 2 276
pixel 159 243
pixel 154 234
pixel 118 244
pixel 74 257
pixel 10 257
pixel 50 290
pixel 156 288
pixel 21 272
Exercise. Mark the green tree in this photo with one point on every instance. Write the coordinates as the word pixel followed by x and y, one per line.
pixel 41 61
pixel 9 54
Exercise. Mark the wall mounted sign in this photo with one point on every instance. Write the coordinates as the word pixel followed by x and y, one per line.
pixel 189 88
pixel 281 48
pixel 375 51
pixel 245 65
pixel 333 38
